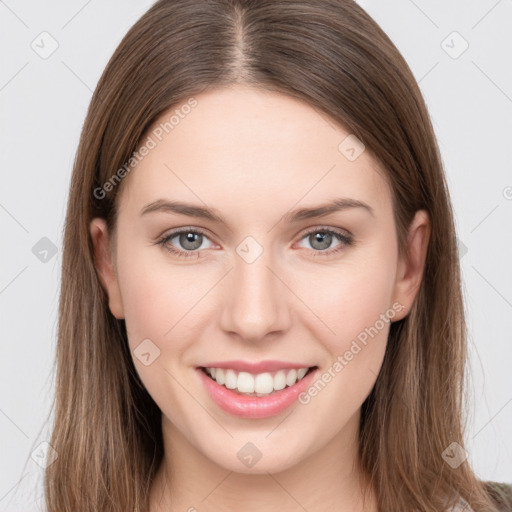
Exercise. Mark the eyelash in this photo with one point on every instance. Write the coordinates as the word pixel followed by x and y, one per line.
pixel 345 239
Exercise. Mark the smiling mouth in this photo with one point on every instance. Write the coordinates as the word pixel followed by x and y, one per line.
pixel 261 384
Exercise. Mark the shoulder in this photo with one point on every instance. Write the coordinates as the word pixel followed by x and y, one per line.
pixel 500 494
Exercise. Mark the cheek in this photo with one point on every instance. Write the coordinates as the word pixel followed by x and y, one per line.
pixel 354 304
pixel 359 313
pixel 350 296
pixel 153 296
pixel 156 299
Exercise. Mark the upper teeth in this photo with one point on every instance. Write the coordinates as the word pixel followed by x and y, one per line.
pixel 260 384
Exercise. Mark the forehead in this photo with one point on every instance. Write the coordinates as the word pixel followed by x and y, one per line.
pixel 244 147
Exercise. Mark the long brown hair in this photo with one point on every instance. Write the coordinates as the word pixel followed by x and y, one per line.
pixel 331 54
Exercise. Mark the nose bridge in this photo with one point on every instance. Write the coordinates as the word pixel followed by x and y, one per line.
pixel 256 299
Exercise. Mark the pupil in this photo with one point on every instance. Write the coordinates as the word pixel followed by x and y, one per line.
pixel 322 238
pixel 190 240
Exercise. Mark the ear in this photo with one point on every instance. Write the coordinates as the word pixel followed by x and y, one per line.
pixel 410 266
pixel 105 266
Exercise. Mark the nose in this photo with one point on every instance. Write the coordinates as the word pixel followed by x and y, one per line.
pixel 256 303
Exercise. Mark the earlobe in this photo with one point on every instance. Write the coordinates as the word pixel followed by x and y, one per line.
pixel 105 266
pixel 411 265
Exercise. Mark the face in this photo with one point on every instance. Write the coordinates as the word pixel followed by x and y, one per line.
pixel 257 281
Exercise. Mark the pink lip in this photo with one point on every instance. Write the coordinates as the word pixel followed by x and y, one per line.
pixel 253 407
pixel 255 368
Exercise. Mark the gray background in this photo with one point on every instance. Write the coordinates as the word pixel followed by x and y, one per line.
pixel 43 102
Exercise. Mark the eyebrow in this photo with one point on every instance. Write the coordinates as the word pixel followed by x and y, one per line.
pixel 190 210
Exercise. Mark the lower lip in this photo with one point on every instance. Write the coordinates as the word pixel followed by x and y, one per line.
pixel 253 407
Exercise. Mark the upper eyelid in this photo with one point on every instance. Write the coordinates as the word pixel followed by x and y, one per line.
pixel 327 228
pixel 178 231
pixel 305 230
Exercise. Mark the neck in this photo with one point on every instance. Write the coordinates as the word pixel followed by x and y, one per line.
pixel 328 479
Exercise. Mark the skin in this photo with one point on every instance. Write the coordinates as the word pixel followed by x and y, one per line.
pixel 254 156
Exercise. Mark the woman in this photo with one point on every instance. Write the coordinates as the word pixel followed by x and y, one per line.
pixel 306 351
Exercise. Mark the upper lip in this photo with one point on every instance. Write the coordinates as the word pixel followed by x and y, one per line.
pixel 256 367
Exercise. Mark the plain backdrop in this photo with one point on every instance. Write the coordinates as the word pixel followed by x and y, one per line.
pixel 457 50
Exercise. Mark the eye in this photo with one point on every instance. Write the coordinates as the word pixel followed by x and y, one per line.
pixel 190 239
pixel 321 239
